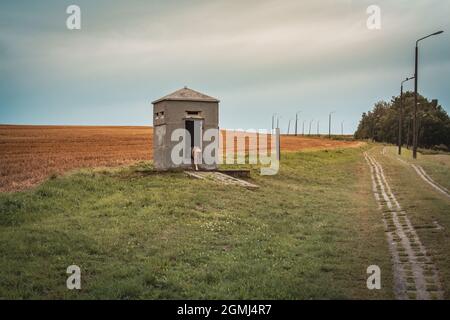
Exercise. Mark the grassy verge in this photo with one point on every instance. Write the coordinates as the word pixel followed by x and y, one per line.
pixel 436 165
pixel 424 205
pixel 309 232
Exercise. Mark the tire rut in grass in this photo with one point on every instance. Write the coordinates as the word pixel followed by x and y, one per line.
pixel 425 177
pixel 430 181
pixel 415 275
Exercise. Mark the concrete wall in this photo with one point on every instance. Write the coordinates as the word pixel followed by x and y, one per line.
pixel 174 118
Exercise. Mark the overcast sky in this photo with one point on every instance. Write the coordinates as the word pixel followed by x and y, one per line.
pixel 257 57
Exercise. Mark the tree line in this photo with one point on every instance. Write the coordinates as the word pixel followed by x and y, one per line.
pixel 382 123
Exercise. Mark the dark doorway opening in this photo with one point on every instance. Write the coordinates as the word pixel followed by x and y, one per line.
pixel 190 129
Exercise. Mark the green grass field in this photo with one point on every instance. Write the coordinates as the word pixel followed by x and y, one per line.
pixel 309 232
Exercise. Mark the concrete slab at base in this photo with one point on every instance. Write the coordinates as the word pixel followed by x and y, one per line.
pixel 221 178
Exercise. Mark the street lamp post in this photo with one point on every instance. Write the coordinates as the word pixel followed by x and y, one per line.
pixel 408 134
pixel 296 121
pixel 329 124
pixel 400 119
pixel 416 78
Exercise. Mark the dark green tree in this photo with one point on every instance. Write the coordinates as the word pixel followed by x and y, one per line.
pixel 381 124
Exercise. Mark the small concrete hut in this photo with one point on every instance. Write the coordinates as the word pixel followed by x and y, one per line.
pixel 183 109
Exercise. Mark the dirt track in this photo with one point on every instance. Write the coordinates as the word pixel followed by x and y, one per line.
pixel 415 275
pixel 29 154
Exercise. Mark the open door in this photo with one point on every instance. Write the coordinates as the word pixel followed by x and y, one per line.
pixel 195 129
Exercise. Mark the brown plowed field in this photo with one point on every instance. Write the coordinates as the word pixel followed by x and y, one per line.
pixel 29 154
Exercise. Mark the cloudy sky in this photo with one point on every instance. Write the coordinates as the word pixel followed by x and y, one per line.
pixel 258 57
